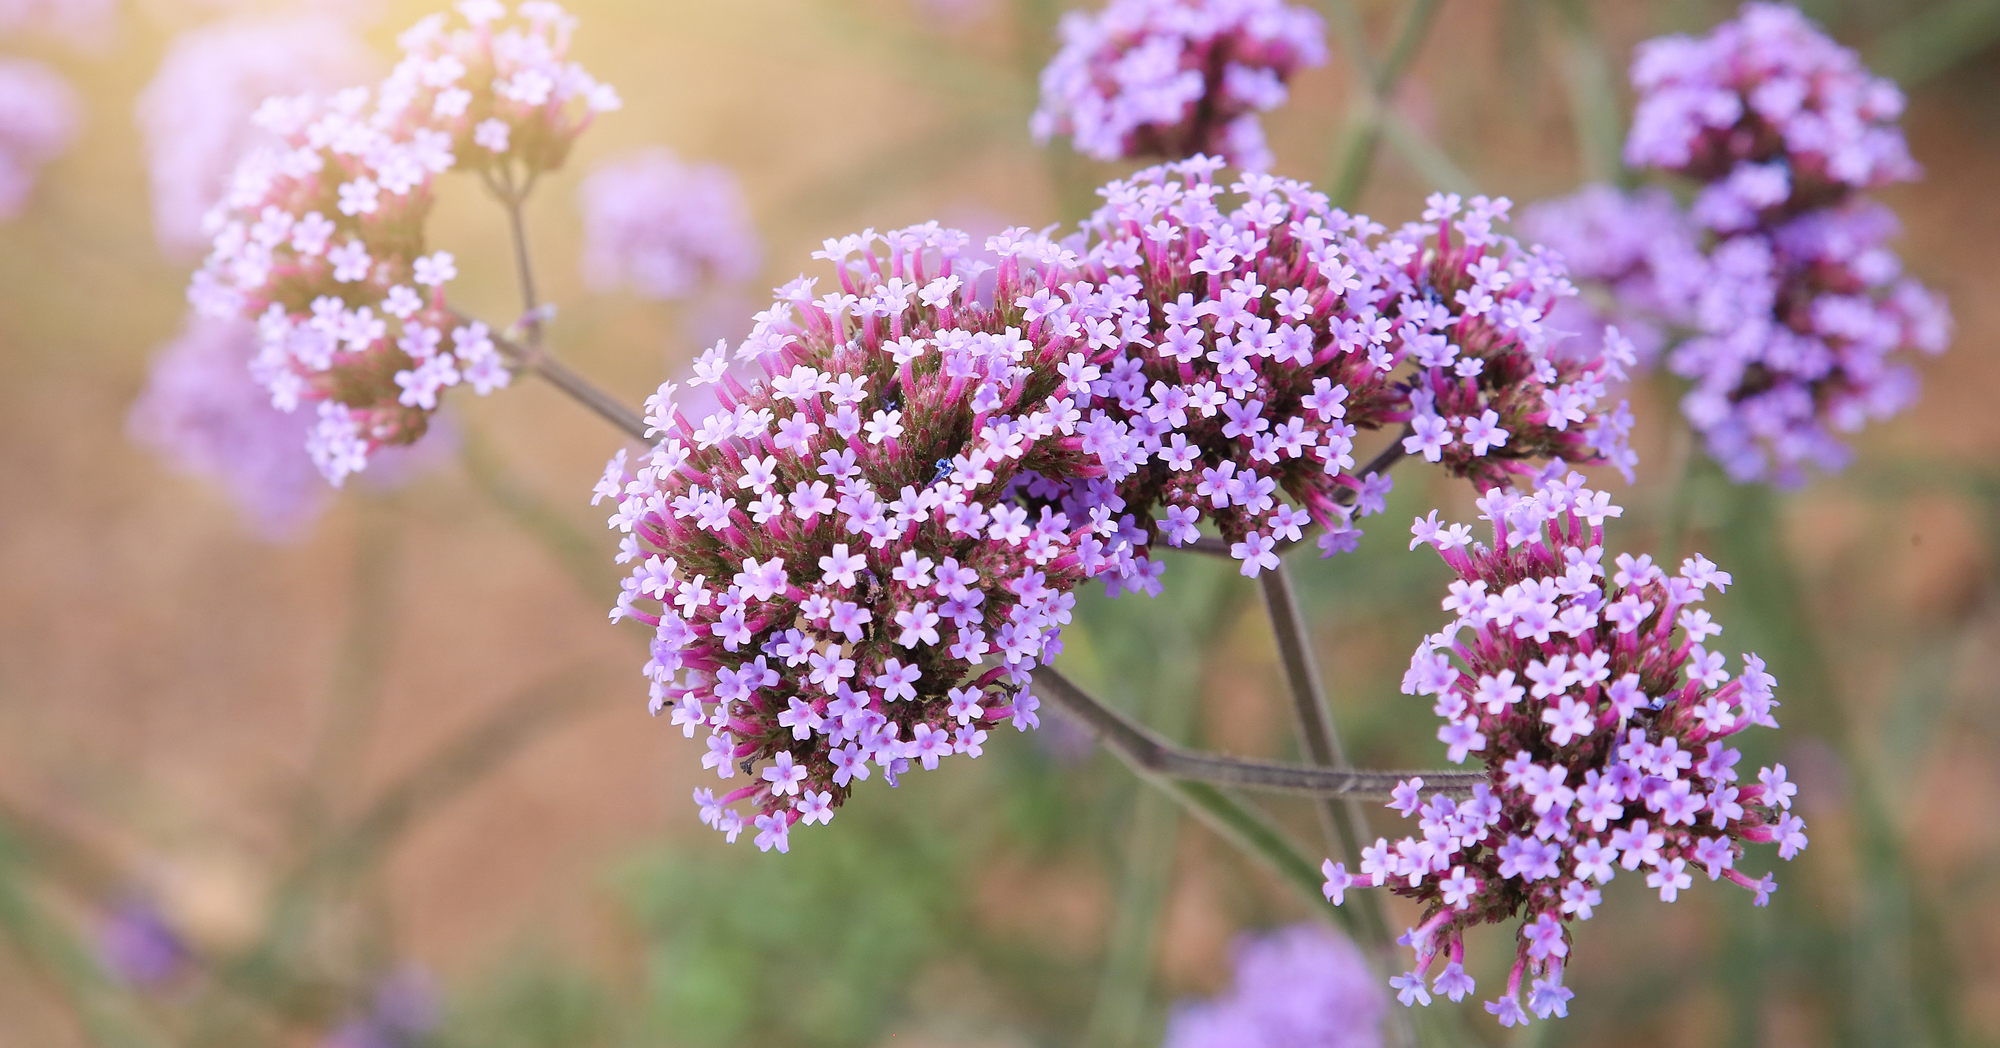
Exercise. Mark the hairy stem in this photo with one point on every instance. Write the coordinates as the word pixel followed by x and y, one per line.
pixel 1151 755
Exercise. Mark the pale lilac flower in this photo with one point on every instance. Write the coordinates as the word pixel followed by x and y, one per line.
pixel 320 238
pixel 203 413
pixel 1245 337
pixel 1596 770
pixel 38 120
pixel 1801 315
pixel 1175 78
pixel 825 594
pixel 195 113
pixel 1635 254
pixel 1304 986
pixel 1766 86
pixel 667 229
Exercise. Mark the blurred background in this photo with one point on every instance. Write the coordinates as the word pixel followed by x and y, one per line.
pixel 376 772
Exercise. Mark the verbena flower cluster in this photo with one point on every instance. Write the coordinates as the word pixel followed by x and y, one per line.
pixel 1636 257
pixel 667 229
pixel 853 560
pixel 195 113
pixel 1245 348
pixel 1304 986
pixel 85 23
pixel 1797 314
pixel 402 1012
pixel 321 240
pixel 1175 78
pixel 1604 733
pixel 38 120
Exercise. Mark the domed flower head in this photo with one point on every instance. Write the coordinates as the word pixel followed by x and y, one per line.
pixel 845 564
pixel 668 229
pixel 503 90
pixel 1247 341
pixel 1803 333
pixel 1304 986
pixel 1636 256
pixel 1770 112
pixel 38 117
pixel 1175 78
pixel 1590 694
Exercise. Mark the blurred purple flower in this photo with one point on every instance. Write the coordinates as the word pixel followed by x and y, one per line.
pixel 402 1010
pixel 38 119
pixel 204 413
pixel 195 114
pixel 668 229
pixel 138 947
pixel 1304 986
pixel 1175 78
pixel 1638 249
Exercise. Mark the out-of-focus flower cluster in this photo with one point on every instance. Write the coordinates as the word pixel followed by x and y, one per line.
pixel 1636 257
pixel 401 1013
pixel 321 239
pixel 1796 313
pixel 506 93
pixel 195 114
pixel 38 119
pixel 848 558
pixel 1245 348
pixel 668 229
pixel 1304 986
pixel 1604 735
pixel 85 23
pixel 1175 78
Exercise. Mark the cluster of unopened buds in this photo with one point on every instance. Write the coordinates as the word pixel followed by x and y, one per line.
pixel 1604 736
pixel 1793 312
pixel 1176 78
pixel 320 239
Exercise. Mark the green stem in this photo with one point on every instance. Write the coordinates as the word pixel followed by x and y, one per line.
pixel 1593 99
pixel 1377 84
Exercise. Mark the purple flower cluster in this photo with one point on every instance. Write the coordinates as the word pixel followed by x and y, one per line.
pixel 401 1013
pixel 860 557
pixel 1798 311
pixel 321 239
pixel 1603 734
pixel 195 114
pixel 1636 256
pixel 1246 348
pixel 139 948
pixel 38 118
pixel 1304 986
pixel 86 23
pixel 506 94
pixel 202 412
pixel 668 229
pixel 1175 78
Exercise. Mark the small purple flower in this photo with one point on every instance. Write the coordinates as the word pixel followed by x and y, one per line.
pixel 401 1011
pixel 668 229
pixel 1175 78
pixel 1596 767
pixel 1303 986
pixel 38 119
pixel 138 946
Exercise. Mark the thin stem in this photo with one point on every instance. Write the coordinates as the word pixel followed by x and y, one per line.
pixel 1592 99
pixel 1148 753
pixel 1343 822
pixel 511 197
pixel 357 676
pixel 580 389
pixel 1378 82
